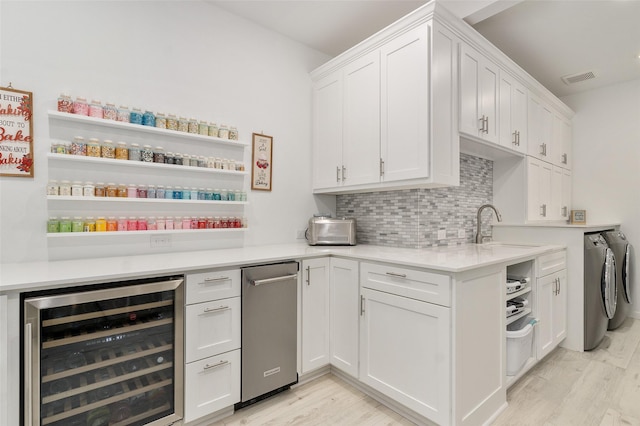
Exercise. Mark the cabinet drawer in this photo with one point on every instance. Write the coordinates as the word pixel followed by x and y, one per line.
pixel 550 263
pixel 211 385
pixel 412 283
pixel 213 285
pixel 212 328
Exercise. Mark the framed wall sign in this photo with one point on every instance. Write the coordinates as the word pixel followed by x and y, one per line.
pixel 578 217
pixel 16 132
pixel 261 162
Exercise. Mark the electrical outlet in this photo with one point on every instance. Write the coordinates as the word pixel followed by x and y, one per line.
pixel 300 234
pixel 461 233
pixel 442 234
pixel 158 241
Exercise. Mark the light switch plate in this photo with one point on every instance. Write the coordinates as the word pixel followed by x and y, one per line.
pixel 442 234
pixel 461 233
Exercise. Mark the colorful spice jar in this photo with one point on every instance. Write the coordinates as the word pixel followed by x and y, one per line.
pixel 122 152
pixel 95 109
pixel 80 106
pixel 64 103
pixel 108 150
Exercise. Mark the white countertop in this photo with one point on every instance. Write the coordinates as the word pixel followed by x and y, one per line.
pixel 559 224
pixel 29 276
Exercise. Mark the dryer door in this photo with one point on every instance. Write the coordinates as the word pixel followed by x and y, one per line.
pixel 608 284
pixel 626 277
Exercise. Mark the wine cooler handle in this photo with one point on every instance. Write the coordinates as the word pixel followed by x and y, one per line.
pixel 28 366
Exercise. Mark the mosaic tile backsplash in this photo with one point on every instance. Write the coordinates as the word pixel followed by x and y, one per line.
pixel 412 218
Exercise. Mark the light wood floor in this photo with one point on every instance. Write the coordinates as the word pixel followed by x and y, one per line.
pixel 600 388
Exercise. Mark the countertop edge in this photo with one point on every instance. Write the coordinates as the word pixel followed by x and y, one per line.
pixel 34 276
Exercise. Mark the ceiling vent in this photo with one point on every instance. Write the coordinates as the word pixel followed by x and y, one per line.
pixel 578 78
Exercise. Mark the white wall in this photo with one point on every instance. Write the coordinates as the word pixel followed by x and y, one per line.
pixel 186 57
pixel 606 167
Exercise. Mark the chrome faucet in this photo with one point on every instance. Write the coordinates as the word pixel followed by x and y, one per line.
pixel 479 223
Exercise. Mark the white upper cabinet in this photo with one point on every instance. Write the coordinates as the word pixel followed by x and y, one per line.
pixel 479 82
pixel 562 135
pixel 374 127
pixel 539 129
pixel 361 125
pixel 513 114
pixel 539 184
pixel 404 106
pixel 565 207
pixel 327 147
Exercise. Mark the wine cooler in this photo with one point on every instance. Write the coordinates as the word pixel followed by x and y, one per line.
pixel 108 354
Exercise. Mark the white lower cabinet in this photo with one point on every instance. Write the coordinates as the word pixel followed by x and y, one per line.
pixel 211 384
pixel 405 352
pixel 551 303
pixel 315 313
pixel 405 341
pixel 212 342
pixel 213 328
pixel 344 315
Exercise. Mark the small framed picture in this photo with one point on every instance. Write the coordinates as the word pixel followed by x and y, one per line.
pixel 261 164
pixel 578 217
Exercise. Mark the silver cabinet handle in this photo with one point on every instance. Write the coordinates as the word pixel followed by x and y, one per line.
pixel 273 280
pixel 515 138
pixel 209 310
pixel 486 130
pixel 213 280
pixel 543 210
pixel 361 305
pixel 564 158
pixel 337 174
pixel 394 274
pixel 558 285
pixel 220 364
pixel 564 211
pixel 344 173
pixel 381 167
pixel 308 275
pixel 518 138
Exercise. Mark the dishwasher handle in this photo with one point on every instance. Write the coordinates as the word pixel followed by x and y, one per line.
pixel 273 280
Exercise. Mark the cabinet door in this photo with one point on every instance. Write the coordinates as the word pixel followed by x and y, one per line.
pixel 211 384
pixel 315 314
pixel 327 131
pixel 539 129
pixel 555 210
pixel 212 285
pixel 405 352
pixel 547 286
pixel 404 106
pixel 361 143
pixel 565 208
pixel 345 315
pixel 489 84
pixel 470 117
pixel 212 328
pixel 539 176
pixel 552 312
pixel 513 114
pixel 567 144
pixel 560 309
pixel 562 133
pixel 478 95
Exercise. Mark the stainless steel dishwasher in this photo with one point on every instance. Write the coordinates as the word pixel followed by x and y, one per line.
pixel 269 330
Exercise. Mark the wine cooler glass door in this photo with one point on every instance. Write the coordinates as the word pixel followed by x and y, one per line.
pixel 108 356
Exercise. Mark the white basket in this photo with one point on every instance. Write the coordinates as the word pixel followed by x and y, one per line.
pixel 519 344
